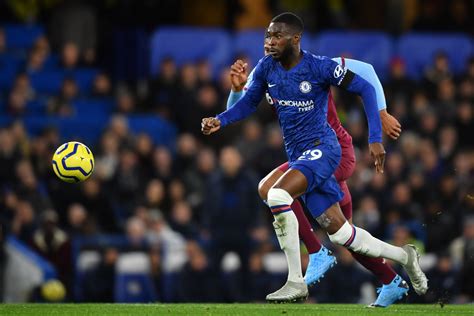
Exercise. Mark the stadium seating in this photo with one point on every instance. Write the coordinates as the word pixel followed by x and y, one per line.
pixel 187 45
pixel 419 49
pixel 21 36
pixel 161 131
pixel 10 64
pixel 49 81
pixel 372 47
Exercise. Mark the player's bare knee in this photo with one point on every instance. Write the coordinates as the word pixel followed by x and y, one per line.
pixel 263 188
pixel 332 219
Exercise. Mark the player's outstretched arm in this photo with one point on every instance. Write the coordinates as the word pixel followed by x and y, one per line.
pixel 390 124
pixel 242 108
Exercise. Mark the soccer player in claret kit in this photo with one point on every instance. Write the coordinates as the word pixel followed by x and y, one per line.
pixel 298 87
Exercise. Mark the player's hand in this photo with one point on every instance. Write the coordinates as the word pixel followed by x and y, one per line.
pixel 390 125
pixel 378 153
pixel 238 75
pixel 210 125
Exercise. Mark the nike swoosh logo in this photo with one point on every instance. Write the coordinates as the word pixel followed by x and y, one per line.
pixel 272 85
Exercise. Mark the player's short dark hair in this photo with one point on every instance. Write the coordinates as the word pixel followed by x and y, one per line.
pixel 290 19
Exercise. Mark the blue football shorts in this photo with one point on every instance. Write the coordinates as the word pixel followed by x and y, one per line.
pixel 318 165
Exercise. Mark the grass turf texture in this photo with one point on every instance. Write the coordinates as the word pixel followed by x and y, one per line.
pixel 230 309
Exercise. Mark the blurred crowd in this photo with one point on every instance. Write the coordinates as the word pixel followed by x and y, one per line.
pixel 190 205
pixel 394 17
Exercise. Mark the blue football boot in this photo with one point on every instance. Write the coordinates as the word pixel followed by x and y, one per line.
pixel 319 263
pixel 390 293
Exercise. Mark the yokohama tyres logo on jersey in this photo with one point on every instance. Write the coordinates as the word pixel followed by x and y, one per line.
pixel 302 106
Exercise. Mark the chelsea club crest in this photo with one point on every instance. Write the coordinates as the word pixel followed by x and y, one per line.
pixel 305 86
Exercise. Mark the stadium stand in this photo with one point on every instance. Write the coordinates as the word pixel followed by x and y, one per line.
pixel 139 180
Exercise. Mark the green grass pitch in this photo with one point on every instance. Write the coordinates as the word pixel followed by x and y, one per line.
pixel 230 309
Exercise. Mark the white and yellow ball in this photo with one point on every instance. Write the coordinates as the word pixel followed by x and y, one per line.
pixel 73 162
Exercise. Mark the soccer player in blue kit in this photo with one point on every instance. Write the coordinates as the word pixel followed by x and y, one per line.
pixel 298 84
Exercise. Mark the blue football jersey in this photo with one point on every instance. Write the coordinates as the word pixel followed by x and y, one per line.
pixel 300 97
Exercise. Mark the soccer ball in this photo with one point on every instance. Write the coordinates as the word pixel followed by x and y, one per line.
pixel 73 162
pixel 53 291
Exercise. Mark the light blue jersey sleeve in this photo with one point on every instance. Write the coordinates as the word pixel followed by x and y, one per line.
pixel 235 96
pixel 367 72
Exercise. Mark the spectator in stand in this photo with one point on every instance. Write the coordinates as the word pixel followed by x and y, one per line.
pixel 272 153
pixel 10 154
pixel 399 85
pixel 204 72
pixel 75 22
pixel 435 73
pixel 367 216
pixel 95 199
pixel 187 96
pixel 102 86
pixel 118 126
pixel 78 221
pixel 447 143
pixel 186 151
pixel 99 282
pixel 16 106
pixel 70 56
pixel 444 281
pixel 154 195
pixel 164 88
pixel 135 230
pixel 181 221
pixel 144 150
pixel 173 244
pixel 162 164
pixel 195 179
pixel 176 193
pixel 62 104
pixel 126 103
pixel 53 244
pixel 197 280
pixel 22 84
pixel 464 123
pixel 446 99
pixel 29 188
pixel 107 157
pixel 251 142
pixel 232 208
pixel 260 279
pixel 23 222
pixel 36 60
pixel 127 182
pixel 206 104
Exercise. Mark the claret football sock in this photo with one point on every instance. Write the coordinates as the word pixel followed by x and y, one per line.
pixel 305 230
